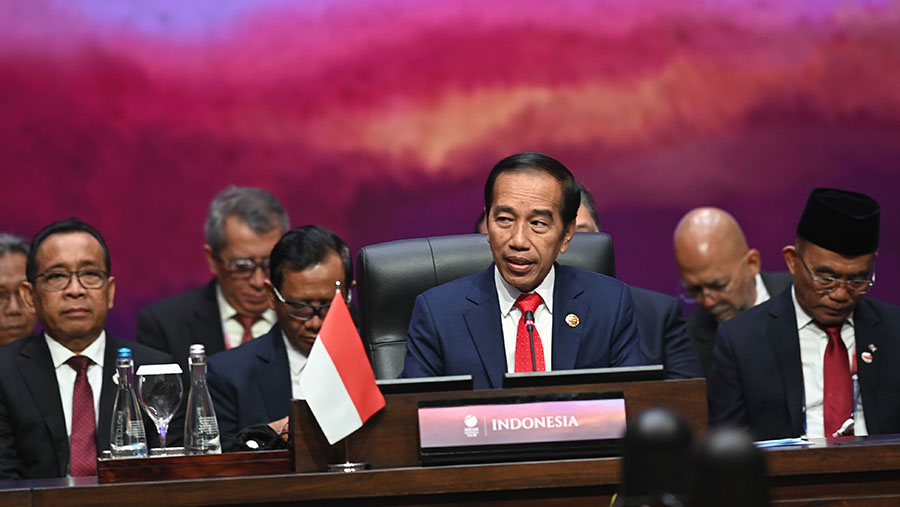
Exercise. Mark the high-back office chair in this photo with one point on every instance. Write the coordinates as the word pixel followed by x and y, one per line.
pixel 391 275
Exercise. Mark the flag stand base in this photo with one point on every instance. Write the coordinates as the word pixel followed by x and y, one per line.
pixel 348 467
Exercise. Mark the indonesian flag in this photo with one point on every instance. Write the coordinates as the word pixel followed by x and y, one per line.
pixel 338 381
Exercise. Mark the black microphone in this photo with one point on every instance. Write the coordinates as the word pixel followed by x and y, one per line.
pixel 529 324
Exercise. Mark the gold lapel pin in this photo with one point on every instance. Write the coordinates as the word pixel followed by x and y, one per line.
pixel 572 320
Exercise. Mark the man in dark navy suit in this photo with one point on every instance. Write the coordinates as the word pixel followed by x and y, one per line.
pixel 720 273
pixel 55 417
pixel 254 383
pixel 478 325
pixel 661 328
pixel 818 359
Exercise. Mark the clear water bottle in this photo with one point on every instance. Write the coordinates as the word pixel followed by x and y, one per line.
pixel 201 431
pixel 127 438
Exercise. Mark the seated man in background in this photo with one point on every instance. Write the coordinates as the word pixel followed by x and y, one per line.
pixel 661 329
pixel 56 388
pixel 242 226
pixel 476 325
pixel 254 383
pixel 16 318
pixel 820 359
pixel 720 273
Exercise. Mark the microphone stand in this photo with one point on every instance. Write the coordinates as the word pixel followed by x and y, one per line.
pixel 529 324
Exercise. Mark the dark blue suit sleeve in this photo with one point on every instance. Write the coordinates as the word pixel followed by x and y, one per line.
pixel 624 346
pixel 681 360
pixel 224 397
pixel 423 352
pixel 726 399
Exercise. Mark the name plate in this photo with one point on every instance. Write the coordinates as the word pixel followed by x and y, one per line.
pixel 521 428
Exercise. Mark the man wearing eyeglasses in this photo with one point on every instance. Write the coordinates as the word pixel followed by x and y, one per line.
pixel 56 388
pixel 242 226
pixel 720 273
pixel 818 360
pixel 253 384
pixel 16 318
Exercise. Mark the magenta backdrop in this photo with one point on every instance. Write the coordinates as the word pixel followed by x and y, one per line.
pixel 380 119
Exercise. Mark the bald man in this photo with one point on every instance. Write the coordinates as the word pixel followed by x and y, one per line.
pixel 720 272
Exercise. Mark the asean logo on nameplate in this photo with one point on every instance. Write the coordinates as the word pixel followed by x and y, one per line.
pixel 471 429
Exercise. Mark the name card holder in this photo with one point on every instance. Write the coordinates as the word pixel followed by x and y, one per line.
pixel 521 428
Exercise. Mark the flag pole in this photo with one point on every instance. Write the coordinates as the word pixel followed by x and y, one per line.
pixel 347 466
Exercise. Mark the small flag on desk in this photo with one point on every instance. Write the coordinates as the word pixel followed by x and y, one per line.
pixel 337 380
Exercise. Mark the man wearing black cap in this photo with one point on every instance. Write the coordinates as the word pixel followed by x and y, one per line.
pixel 818 359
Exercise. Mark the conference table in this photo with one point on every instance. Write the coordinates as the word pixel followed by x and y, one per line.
pixel 844 471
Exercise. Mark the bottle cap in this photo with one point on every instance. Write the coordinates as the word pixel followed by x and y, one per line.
pixel 124 352
pixel 198 348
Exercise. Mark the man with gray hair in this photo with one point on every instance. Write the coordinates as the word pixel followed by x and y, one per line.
pixel 16 318
pixel 242 226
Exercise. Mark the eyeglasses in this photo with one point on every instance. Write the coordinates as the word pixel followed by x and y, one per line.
pixel 694 292
pixel 59 279
pixel 303 311
pixel 6 297
pixel 244 267
pixel 829 283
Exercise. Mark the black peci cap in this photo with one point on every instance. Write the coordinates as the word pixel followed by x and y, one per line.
pixel 841 221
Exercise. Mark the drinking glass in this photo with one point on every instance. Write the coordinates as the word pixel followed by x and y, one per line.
pixel 161 396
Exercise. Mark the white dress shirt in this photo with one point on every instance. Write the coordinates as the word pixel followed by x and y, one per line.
pixel 510 314
pixel 296 363
pixel 232 328
pixel 65 375
pixel 813 341
pixel 762 294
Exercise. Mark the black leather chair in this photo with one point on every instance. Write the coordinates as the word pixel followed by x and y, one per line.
pixel 391 275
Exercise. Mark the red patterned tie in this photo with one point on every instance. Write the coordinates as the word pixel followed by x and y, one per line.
pixel 83 447
pixel 247 321
pixel 528 303
pixel 838 384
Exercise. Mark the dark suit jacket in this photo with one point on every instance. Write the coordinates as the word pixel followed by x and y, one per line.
pixel 663 335
pixel 33 439
pixel 250 384
pixel 174 324
pixel 757 376
pixel 702 325
pixel 455 328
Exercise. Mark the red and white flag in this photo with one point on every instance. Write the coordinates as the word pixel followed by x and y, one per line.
pixel 338 381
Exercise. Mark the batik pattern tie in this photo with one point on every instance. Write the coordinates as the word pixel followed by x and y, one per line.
pixel 838 383
pixel 83 446
pixel 528 303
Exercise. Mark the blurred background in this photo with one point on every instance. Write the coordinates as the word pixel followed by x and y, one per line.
pixel 380 119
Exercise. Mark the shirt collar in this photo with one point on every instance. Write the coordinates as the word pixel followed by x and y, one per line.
pixel 803 318
pixel 762 293
pixel 227 312
pixel 507 294
pixel 296 359
pixel 59 354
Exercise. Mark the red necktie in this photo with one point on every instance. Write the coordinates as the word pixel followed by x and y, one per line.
pixel 838 384
pixel 528 303
pixel 83 447
pixel 247 321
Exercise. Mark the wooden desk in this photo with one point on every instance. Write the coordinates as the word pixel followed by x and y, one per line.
pixel 866 472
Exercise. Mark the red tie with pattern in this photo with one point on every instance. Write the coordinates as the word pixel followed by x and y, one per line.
pixel 83 447
pixel 838 384
pixel 247 321
pixel 528 303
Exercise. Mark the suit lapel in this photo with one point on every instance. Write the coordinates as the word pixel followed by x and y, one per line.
pixel 869 338
pixel 566 339
pixel 483 323
pixel 781 331
pixel 207 326
pixel 108 394
pixel 272 370
pixel 36 367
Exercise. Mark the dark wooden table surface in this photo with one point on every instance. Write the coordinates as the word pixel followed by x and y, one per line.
pixel 849 472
